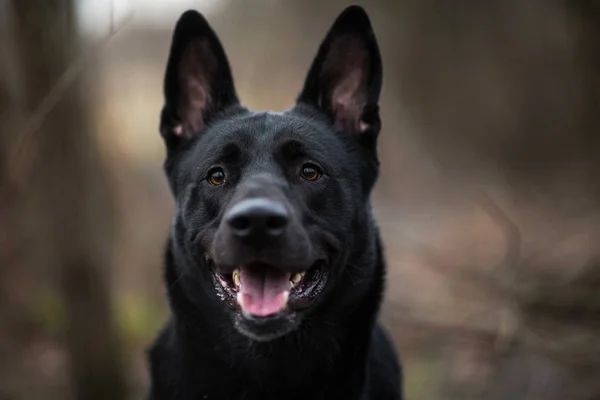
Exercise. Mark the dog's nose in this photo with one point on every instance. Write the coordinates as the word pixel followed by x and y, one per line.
pixel 257 218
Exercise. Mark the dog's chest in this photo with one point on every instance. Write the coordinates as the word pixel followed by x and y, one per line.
pixel 273 386
pixel 291 394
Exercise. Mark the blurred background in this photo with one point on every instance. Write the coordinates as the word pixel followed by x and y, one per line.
pixel 489 198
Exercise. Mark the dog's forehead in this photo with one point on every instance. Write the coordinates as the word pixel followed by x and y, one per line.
pixel 262 132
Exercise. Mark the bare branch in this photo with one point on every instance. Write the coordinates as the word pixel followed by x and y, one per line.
pixel 511 230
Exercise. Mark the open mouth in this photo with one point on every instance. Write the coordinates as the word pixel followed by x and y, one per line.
pixel 262 290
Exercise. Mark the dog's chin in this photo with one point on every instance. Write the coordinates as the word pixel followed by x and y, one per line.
pixel 264 329
pixel 265 301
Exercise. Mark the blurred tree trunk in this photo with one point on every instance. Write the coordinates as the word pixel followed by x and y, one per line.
pixel 61 171
pixel 18 326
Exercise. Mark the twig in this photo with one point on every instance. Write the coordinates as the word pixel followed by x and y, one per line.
pixel 501 279
pixel 511 230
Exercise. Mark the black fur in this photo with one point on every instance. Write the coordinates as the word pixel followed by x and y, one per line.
pixel 327 344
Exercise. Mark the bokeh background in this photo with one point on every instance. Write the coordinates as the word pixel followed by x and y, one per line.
pixel 489 198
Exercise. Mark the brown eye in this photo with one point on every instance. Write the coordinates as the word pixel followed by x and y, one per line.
pixel 310 172
pixel 216 176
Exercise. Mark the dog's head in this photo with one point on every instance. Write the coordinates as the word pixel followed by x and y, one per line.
pixel 271 206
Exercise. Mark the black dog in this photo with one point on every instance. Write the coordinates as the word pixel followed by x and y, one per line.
pixel 274 265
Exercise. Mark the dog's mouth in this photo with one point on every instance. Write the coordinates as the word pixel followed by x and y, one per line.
pixel 262 290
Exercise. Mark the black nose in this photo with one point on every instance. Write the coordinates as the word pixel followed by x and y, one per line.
pixel 257 218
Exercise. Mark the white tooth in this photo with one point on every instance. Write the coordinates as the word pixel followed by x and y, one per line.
pixel 236 278
pixel 286 296
pixel 296 278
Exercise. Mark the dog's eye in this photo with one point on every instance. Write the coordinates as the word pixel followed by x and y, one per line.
pixel 216 176
pixel 310 172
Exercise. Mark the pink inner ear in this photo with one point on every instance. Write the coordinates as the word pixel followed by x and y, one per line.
pixel 197 101
pixel 178 130
pixel 195 72
pixel 348 102
pixel 346 65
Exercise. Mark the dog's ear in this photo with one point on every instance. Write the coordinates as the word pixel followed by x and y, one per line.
pixel 344 80
pixel 198 81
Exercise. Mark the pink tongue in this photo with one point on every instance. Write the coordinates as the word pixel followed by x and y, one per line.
pixel 263 290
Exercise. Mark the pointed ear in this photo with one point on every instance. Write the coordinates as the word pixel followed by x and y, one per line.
pixel 344 80
pixel 198 82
